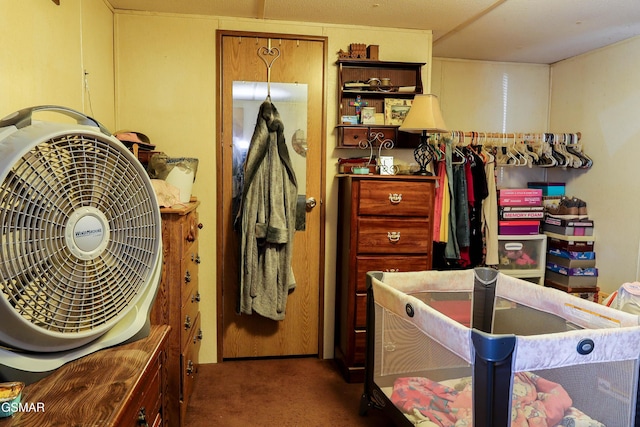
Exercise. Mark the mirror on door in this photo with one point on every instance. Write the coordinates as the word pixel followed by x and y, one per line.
pixel 291 101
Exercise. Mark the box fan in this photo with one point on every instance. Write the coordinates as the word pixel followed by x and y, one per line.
pixel 80 242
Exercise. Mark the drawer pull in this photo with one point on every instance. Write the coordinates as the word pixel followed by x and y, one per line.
pixel 197 337
pixel 187 322
pixel 189 367
pixel 142 417
pixel 393 236
pixel 187 277
pixel 392 270
pixel 395 198
pixel 196 297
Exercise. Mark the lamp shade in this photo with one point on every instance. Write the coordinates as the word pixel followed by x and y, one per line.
pixel 424 115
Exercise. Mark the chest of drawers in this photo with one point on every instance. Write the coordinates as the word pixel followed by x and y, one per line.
pixel 119 386
pixel 177 305
pixel 385 223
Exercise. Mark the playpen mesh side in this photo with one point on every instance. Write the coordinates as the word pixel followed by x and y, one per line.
pixel 403 350
pixel 605 392
pixel 412 339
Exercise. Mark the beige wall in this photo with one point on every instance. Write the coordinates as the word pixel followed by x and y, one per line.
pixel 599 94
pixel 485 96
pixel 166 88
pixel 45 50
pixel 492 96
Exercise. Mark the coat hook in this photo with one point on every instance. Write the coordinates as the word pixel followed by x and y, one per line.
pixel 268 55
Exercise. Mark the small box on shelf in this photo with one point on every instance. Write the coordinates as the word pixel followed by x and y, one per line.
pixel 549 188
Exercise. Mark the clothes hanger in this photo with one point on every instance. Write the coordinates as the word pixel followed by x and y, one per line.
pixel 462 158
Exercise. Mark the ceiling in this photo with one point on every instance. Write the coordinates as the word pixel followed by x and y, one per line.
pixel 535 31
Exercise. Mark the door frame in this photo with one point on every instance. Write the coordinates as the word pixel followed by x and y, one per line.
pixel 221 168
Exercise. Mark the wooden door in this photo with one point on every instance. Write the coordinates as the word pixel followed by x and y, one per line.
pixel 301 61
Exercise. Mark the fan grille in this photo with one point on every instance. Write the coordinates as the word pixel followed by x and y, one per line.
pixel 45 277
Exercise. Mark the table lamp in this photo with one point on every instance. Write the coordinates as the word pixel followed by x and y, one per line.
pixel 424 117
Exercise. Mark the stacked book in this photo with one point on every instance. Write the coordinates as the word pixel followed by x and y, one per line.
pixel 520 211
pixel 571 259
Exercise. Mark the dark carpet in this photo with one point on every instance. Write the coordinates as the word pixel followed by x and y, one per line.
pixel 277 392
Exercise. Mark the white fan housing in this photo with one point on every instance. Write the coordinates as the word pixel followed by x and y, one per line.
pixel 80 242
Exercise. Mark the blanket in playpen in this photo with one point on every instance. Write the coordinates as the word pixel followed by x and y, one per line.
pixel 536 402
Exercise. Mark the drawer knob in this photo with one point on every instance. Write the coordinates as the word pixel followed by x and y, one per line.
pixel 197 337
pixel 142 417
pixel 187 277
pixel 187 322
pixel 395 198
pixel 393 236
pixel 196 297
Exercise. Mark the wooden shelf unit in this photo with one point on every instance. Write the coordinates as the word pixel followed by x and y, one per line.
pixel 401 74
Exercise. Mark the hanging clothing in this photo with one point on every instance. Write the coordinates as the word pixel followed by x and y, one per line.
pixel 451 251
pixel 438 202
pixel 267 219
pixel 479 193
pixel 490 216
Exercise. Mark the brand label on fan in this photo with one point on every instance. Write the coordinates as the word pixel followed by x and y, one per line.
pixel 88 233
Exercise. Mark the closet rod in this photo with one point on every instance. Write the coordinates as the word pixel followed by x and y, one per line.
pixel 479 135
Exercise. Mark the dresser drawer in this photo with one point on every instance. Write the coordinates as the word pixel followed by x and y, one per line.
pixel 189 361
pixel 145 404
pixel 189 314
pixel 393 236
pixel 146 408
pixel 190 228
pixel 396 198
pixel 388 263
pixel 188 280
pixel 353 136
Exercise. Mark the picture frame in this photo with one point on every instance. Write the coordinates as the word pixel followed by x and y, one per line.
pixel 395 110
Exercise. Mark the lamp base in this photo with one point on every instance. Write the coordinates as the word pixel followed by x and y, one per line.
pixel 423 155
pixel 423 172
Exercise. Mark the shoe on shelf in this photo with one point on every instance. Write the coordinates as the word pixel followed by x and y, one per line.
pixel 565 209
pixel 582 208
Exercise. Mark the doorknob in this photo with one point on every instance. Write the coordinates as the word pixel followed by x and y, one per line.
pixel 311 203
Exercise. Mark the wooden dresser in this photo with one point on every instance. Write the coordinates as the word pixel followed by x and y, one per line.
pixel 121 386
pixel 384 224
pixel 177 305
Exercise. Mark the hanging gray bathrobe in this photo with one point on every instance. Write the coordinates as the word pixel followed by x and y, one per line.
pixel 267 220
